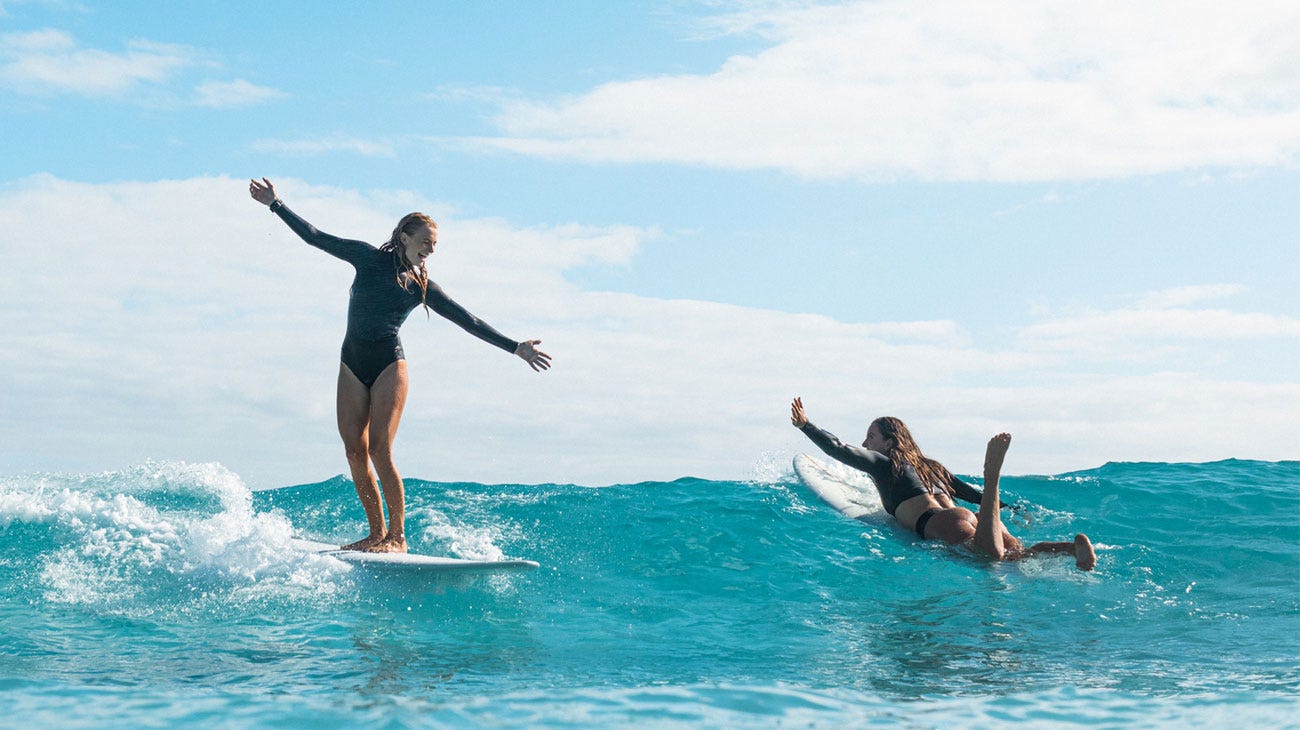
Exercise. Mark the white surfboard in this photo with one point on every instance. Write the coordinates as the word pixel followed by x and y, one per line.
pixel 849 491
pixel 410 561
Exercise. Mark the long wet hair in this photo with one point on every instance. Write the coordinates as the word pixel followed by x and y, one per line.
pixel 905 453
pixel 402 268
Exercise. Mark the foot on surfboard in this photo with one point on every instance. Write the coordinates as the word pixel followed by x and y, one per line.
pixel 389 545
pixel 364 543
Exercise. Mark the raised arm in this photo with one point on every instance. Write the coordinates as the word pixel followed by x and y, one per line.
pixel 447 307
pixel 346 249
pixel 872 462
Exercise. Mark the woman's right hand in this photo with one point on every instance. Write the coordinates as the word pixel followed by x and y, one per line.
pixel 536 359
pixel 263 192
pixel 797 416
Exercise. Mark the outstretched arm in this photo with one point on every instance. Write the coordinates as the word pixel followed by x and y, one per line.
pixel 264 193
pixel 872 462
pixel 448 308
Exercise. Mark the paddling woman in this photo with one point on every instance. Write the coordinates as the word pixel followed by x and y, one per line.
pixel 390 282
pixel 919 492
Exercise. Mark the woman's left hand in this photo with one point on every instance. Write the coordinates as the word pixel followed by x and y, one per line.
pixel 536 359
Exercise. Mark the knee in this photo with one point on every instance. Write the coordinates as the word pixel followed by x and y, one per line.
pixel 357 451
pixel 380 451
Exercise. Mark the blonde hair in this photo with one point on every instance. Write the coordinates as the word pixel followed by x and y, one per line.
pixel 401 266
pixel 905 453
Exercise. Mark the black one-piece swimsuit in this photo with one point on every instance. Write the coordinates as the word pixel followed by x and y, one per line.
pixel 379 303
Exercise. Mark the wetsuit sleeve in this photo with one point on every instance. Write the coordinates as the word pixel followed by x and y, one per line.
pixel 442 304
pixel 348 250
pixel 966 492
pixel 969 493
pixel 872 462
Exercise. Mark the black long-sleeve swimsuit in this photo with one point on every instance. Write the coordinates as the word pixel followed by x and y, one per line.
pixel 379 302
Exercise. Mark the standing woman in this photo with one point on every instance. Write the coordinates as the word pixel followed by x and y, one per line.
pixel 390 282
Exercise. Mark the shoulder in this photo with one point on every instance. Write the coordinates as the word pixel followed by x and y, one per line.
pixel 878 465
pixel 434 290
pixel 371 254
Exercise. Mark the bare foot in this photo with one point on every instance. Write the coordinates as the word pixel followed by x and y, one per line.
pixel 364 543
pixel 1084 556
pixel 996 452
pixel 389 544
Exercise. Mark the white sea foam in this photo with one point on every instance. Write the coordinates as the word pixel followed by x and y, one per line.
pixel 475 542
pixel 772 467
pixel 158 534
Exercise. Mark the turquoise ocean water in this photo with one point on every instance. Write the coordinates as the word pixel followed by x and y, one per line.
pixel 166 595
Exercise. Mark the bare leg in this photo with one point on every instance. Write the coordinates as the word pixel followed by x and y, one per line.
pixel 989 532
pixel 993 538
pixel 387 400
pixel 1085 558
pixel 353 407
pixel 1051 548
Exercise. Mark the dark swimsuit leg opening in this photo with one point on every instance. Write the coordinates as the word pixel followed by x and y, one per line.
pixel 924 520
pixel 358 377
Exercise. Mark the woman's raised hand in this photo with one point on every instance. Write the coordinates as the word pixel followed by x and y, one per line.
pixel 536 359
pixel 797 416
pixel 263 192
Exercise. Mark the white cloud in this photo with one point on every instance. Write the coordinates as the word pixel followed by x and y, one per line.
pixel 1188 295
pixel 1159 318
pixel 325 145
pixel 226 94
pixel 51 61
pixel 947 90
pixel 192 324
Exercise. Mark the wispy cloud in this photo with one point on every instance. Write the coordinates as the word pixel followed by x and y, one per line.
pixel 1159 318
pixel 227 94
pixel 327 145
pixel 207 331
pixel 1188 295
pixel 48 62
pixel 945 90
pixel 1049 198
pixel 51 61
pixel 483 94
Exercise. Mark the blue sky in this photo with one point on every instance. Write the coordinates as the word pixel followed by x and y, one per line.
pixel 1074 221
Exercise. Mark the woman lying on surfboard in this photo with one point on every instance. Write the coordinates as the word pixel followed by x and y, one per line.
pixel 390 282
pixel 919 492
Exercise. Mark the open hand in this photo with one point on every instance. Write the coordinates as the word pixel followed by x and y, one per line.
pixel 536 359
pixel 797 416
pixel 263 192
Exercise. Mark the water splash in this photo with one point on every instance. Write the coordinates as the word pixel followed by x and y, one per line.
pixel 159 537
